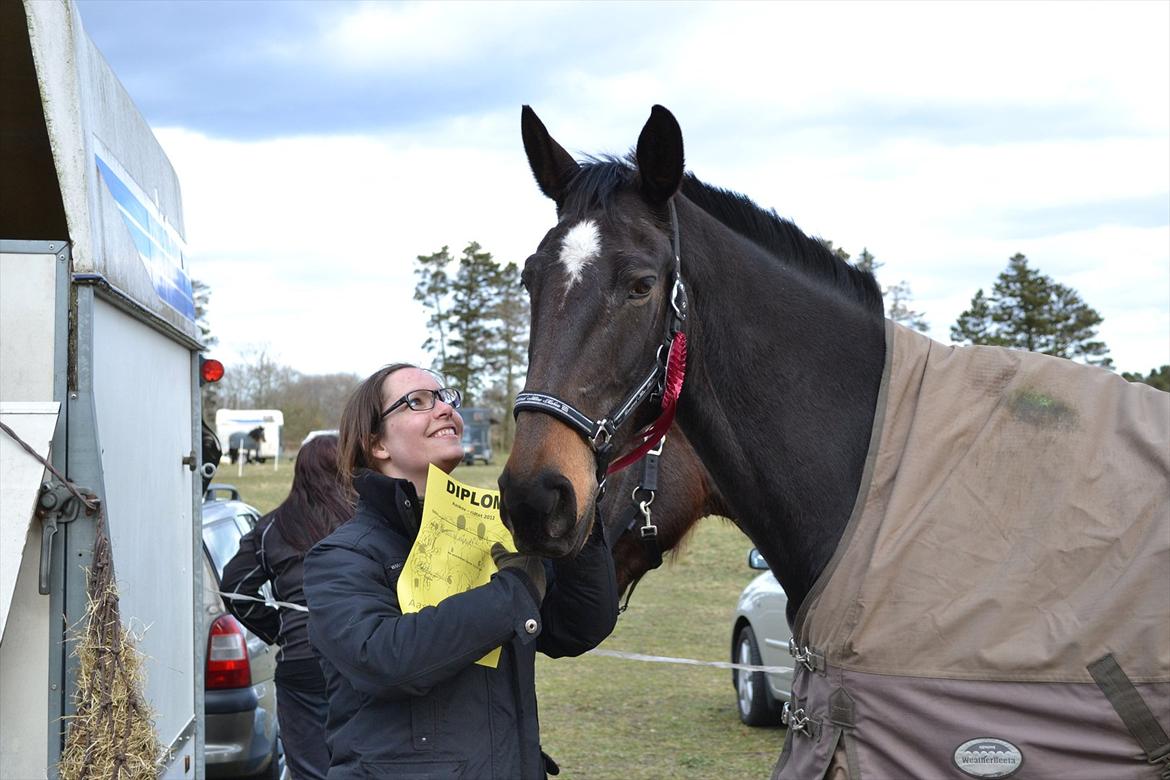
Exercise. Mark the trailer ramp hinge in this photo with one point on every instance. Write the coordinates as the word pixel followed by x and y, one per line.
pixel 56 506
pixel 190 461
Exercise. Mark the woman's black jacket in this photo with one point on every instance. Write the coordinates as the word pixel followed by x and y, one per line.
pixel 406 698
pixel 266 556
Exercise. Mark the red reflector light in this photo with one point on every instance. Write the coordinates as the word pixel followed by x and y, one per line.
pixel 227 655
pixel 210 370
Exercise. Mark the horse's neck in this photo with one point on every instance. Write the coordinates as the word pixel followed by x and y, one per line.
pixel 782 381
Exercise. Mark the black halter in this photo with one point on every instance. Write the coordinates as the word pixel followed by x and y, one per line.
pixel 599 432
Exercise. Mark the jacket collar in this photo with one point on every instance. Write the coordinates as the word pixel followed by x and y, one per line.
pixel 395 500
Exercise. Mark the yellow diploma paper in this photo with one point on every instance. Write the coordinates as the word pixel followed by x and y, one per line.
pixel 452 553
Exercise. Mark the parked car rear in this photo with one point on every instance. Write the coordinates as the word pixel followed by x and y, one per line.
pixel 242 737
pixel 759 637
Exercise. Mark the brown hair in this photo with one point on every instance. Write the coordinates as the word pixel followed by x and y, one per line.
pixel 361 422
pixel 316 504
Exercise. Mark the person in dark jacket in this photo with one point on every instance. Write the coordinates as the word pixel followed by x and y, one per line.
pixel 274 552
pixel 406 698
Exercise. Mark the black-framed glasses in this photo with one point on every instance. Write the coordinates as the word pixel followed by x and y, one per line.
pixel 425 400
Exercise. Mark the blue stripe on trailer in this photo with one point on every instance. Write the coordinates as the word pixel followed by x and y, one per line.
pixel 161 254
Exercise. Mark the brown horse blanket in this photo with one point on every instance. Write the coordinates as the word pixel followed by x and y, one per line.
pixel 1002 590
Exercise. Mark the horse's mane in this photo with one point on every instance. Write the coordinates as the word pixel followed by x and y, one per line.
pixel 601 178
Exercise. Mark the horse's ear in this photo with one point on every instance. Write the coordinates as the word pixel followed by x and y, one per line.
pixel 660 156
pixel 552 166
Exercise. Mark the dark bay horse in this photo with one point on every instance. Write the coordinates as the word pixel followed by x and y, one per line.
pixel 974 542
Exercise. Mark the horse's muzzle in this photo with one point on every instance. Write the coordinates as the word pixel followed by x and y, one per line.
pixel 541 513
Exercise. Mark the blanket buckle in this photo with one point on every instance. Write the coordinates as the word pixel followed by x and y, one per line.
pixel 805 656
pixel 797 720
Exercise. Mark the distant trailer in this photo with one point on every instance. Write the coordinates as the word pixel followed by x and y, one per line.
pixel 100 356
pixel 477 435
pixel 233 427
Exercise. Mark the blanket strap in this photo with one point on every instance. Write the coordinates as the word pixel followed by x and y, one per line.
pixel 1133 710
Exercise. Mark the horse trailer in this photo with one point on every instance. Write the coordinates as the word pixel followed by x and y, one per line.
pixel 236 426
pixel 99 361
pixel 477 435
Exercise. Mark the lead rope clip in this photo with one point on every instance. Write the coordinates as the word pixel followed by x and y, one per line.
pixel 648 529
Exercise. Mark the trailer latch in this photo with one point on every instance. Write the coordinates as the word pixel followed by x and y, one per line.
pixel 56 506
pixel 190 460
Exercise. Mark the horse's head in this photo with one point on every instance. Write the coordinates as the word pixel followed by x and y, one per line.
pixel 257 434
pixel 601 283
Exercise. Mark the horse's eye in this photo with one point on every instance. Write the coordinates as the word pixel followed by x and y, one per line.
pixel 642 287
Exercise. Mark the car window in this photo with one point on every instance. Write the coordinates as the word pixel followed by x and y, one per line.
pixel 246 521
pixel 223 541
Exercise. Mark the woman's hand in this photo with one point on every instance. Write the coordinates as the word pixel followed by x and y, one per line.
pixel 531 566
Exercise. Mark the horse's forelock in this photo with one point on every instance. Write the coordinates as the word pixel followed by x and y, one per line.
pixel 596 183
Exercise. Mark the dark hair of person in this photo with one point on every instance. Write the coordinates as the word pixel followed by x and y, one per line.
pixel 316 504
pixel 361 423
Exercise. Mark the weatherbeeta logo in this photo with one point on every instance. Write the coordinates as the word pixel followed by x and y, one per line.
pixel 988 757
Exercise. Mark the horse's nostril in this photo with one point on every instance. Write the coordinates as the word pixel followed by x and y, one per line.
pixel 562 515
pixel 544 507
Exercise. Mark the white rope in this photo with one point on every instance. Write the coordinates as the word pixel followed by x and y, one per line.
pixel 284 604
pixel 655 659
pixel 662 659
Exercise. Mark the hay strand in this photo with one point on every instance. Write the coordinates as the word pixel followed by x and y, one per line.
pixel 112 733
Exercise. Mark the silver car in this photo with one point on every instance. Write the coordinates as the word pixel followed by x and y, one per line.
pixel 242 738
pixel 759 637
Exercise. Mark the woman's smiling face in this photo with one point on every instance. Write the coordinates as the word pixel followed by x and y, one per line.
pixel 410 441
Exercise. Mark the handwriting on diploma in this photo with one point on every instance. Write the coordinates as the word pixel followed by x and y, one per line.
pixel 452 553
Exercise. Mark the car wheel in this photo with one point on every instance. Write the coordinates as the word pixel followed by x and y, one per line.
pixel 753 700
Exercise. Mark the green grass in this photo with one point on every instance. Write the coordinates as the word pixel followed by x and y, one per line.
pixel 261 485
pixel 604 718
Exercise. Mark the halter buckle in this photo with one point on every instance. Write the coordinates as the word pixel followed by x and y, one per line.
pixel 658 449
pixel 678 295
pixel 603 435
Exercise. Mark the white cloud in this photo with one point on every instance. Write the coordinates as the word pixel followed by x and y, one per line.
pixel 889 126
pixel 308 243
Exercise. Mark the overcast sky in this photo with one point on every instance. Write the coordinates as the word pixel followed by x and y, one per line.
pixel 322 146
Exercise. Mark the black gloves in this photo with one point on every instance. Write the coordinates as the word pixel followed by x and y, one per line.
pixel 531 566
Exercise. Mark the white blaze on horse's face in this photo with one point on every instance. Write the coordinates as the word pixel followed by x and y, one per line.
pixel 580 247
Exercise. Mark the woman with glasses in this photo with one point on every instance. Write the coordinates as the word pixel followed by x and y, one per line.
pixel 406 698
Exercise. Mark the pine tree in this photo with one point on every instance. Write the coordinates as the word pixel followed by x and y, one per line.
pixel 1158 378
pixel 866 261
pixel 510 352
pixel 433 290
pixel 1028 310
pixel 974 325
pixel 470 354
pixel 836 250
pixel 897 297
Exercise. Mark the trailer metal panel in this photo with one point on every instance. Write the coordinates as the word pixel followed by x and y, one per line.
pixel 27 281
pixel 148 498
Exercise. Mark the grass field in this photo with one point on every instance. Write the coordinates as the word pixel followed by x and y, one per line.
pixel 604 718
